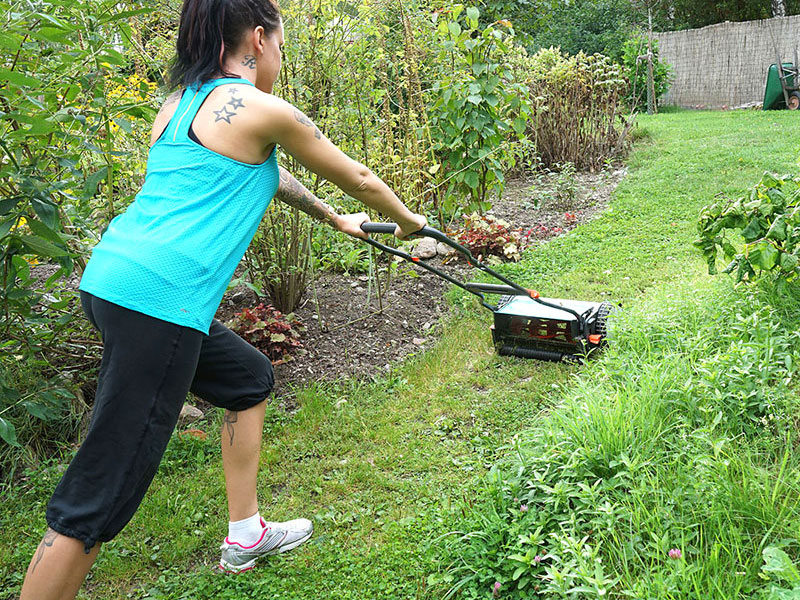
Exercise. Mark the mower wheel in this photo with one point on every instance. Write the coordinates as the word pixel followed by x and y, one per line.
pixel 605 309
pixel 794 101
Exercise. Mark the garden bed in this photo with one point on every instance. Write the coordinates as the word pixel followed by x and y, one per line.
pixel 347 336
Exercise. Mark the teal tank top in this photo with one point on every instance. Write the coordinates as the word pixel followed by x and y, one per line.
pixel 171 254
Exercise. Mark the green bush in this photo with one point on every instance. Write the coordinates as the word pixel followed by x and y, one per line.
pixel 478 106
pixel 767 219
pixel 69 112
pixel 578 112
pixel 636 71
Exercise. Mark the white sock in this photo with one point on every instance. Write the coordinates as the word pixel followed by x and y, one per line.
pixel 245 532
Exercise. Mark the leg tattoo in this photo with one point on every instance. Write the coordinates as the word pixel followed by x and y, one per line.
pixel 229 420
pixel 47 542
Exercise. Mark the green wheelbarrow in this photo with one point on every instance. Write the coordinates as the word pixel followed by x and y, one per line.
pixel 783 86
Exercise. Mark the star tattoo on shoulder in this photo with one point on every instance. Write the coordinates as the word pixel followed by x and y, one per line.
pixel 223 114
pixel 229 109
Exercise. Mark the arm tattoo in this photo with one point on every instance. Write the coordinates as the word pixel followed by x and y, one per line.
pixel 294 193
pixel 47 542
pixel 229 109
pixel 229 419
pixel 301 118
pixel 249 61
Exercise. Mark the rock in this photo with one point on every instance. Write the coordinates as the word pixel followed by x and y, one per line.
pixel 418 341
pixel 190 414
pixel 443 249
pixel 239 296
pixel 426 248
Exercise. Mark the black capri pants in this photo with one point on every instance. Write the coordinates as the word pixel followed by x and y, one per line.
pixel 148 367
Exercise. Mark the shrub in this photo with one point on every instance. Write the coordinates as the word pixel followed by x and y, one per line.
pixel 557 187
pixel 768 220
pixel 279 257
pixel 489 236
pixel 636 71
pixel 478 107
pixel 577 107
pixel 268 329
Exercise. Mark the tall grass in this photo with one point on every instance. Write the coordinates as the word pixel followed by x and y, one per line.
pixel 682 437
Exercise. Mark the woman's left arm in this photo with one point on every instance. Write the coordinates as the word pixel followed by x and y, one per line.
pixel 292 192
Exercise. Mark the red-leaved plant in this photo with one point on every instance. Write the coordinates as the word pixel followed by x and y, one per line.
pixel 486 235
pixel 270 331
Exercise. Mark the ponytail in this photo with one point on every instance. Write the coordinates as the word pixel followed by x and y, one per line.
pixel 209 29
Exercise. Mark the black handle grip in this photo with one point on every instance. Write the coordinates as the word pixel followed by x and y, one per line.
pixel 378 228
pixel 424 232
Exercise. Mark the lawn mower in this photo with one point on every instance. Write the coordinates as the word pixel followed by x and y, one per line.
pixel 525 324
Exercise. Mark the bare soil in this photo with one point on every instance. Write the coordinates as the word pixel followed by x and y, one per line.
pixel 349 334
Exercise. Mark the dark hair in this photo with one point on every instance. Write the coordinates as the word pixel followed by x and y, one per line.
pixel 209 29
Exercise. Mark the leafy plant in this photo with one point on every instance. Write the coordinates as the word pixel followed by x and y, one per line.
pixel 768 220
pixel 778 565
pixel 478 107
pixel 557 187
pixel 486 235
pixel 636 71
pixel 268 329
pixel 279 256
pixel 578 113
pixel 65 105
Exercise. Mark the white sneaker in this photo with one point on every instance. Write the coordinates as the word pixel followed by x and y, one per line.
pixel 275 538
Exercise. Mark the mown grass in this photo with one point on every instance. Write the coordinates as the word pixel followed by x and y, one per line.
pixel 388 469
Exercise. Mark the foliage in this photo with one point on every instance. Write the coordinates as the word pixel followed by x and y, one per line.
pixel 355 69
pixel 526 15
pixel 478 107
pixel 778 565
pixel 486 235
pixel 279 256
pixel 557 187
pixel 586 26
pixel 268 329
pixel 67 111
pixel 553 517
pixel 602 26
pixel 768 220
pixel 578 111
pixel 62 107
pixel 332 251
pixel 636 71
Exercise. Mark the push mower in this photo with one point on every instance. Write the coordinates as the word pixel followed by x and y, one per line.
pixel 525 324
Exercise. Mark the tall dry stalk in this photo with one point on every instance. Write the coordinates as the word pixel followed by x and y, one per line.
pixel 279 257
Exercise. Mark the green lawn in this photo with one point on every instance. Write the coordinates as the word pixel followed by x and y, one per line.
pixel 387 469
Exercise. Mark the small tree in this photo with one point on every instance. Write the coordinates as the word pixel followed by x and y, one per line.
pixel 478 106
pixel 636 71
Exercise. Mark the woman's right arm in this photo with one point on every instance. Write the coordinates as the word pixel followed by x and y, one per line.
pixel 298 136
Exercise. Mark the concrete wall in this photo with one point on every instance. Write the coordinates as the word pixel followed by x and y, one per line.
pixel 726 64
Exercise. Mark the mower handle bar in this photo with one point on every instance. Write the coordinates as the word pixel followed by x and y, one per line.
pixel 478 289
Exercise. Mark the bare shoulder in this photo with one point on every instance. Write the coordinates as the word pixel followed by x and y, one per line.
pixel 164 115
pixel 262 113
pixel 285 117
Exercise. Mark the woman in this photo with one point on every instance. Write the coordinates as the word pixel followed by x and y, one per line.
pixel 156 278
